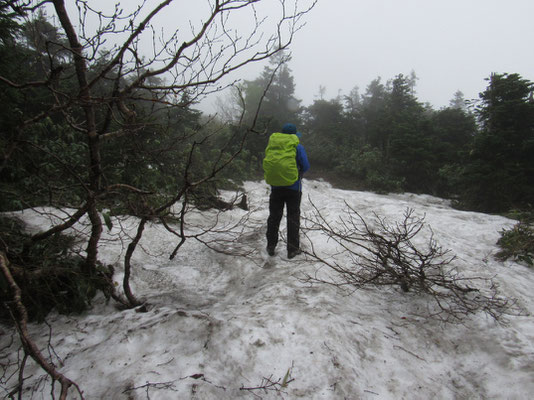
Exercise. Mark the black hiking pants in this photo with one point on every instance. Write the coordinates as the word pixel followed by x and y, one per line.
pixel 291 199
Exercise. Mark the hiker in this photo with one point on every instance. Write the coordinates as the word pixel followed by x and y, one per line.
pixel 284 164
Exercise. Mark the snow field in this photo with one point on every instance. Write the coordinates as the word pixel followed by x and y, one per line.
pixel 217 323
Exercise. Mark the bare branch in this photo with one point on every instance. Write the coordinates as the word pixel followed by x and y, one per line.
pixel 383 254
pixel 21 322
pixel 61 227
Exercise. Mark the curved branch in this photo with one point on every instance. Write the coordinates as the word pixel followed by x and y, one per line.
pixel 117 60
pixel 127 263
pixel 60 228
pixel 30 347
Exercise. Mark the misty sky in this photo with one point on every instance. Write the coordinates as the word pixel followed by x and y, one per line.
pixel 450 44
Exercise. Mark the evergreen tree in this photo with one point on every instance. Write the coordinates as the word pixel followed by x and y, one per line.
pixel 374 105
pixel 326 137
pixel 458 101
pixel 409 152
pixel 279 104
pixel 27 159
pixel 453 131
pixel 500 173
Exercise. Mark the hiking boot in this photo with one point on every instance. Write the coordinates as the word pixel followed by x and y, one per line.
pixel 293 253
pixel 270 250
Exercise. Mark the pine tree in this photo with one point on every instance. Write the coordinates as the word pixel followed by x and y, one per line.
pixel 500 173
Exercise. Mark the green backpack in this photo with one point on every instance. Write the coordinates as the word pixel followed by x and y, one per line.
pixel 280 162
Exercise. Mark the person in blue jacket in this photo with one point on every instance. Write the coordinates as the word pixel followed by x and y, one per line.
pixel 289 196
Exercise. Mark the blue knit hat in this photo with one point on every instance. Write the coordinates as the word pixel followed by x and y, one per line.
pixel 289 129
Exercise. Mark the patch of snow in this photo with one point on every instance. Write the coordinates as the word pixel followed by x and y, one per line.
pixel 217 324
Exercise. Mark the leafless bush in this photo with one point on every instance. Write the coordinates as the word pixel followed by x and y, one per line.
pixel 382 253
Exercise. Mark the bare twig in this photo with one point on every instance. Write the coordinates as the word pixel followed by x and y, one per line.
pixel 268 384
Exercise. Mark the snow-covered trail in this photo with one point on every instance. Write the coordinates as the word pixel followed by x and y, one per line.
pixel 217 324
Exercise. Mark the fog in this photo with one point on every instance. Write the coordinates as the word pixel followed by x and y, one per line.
pixel 450 45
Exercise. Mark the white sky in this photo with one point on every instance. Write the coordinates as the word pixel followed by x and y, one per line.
pixel 451 45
